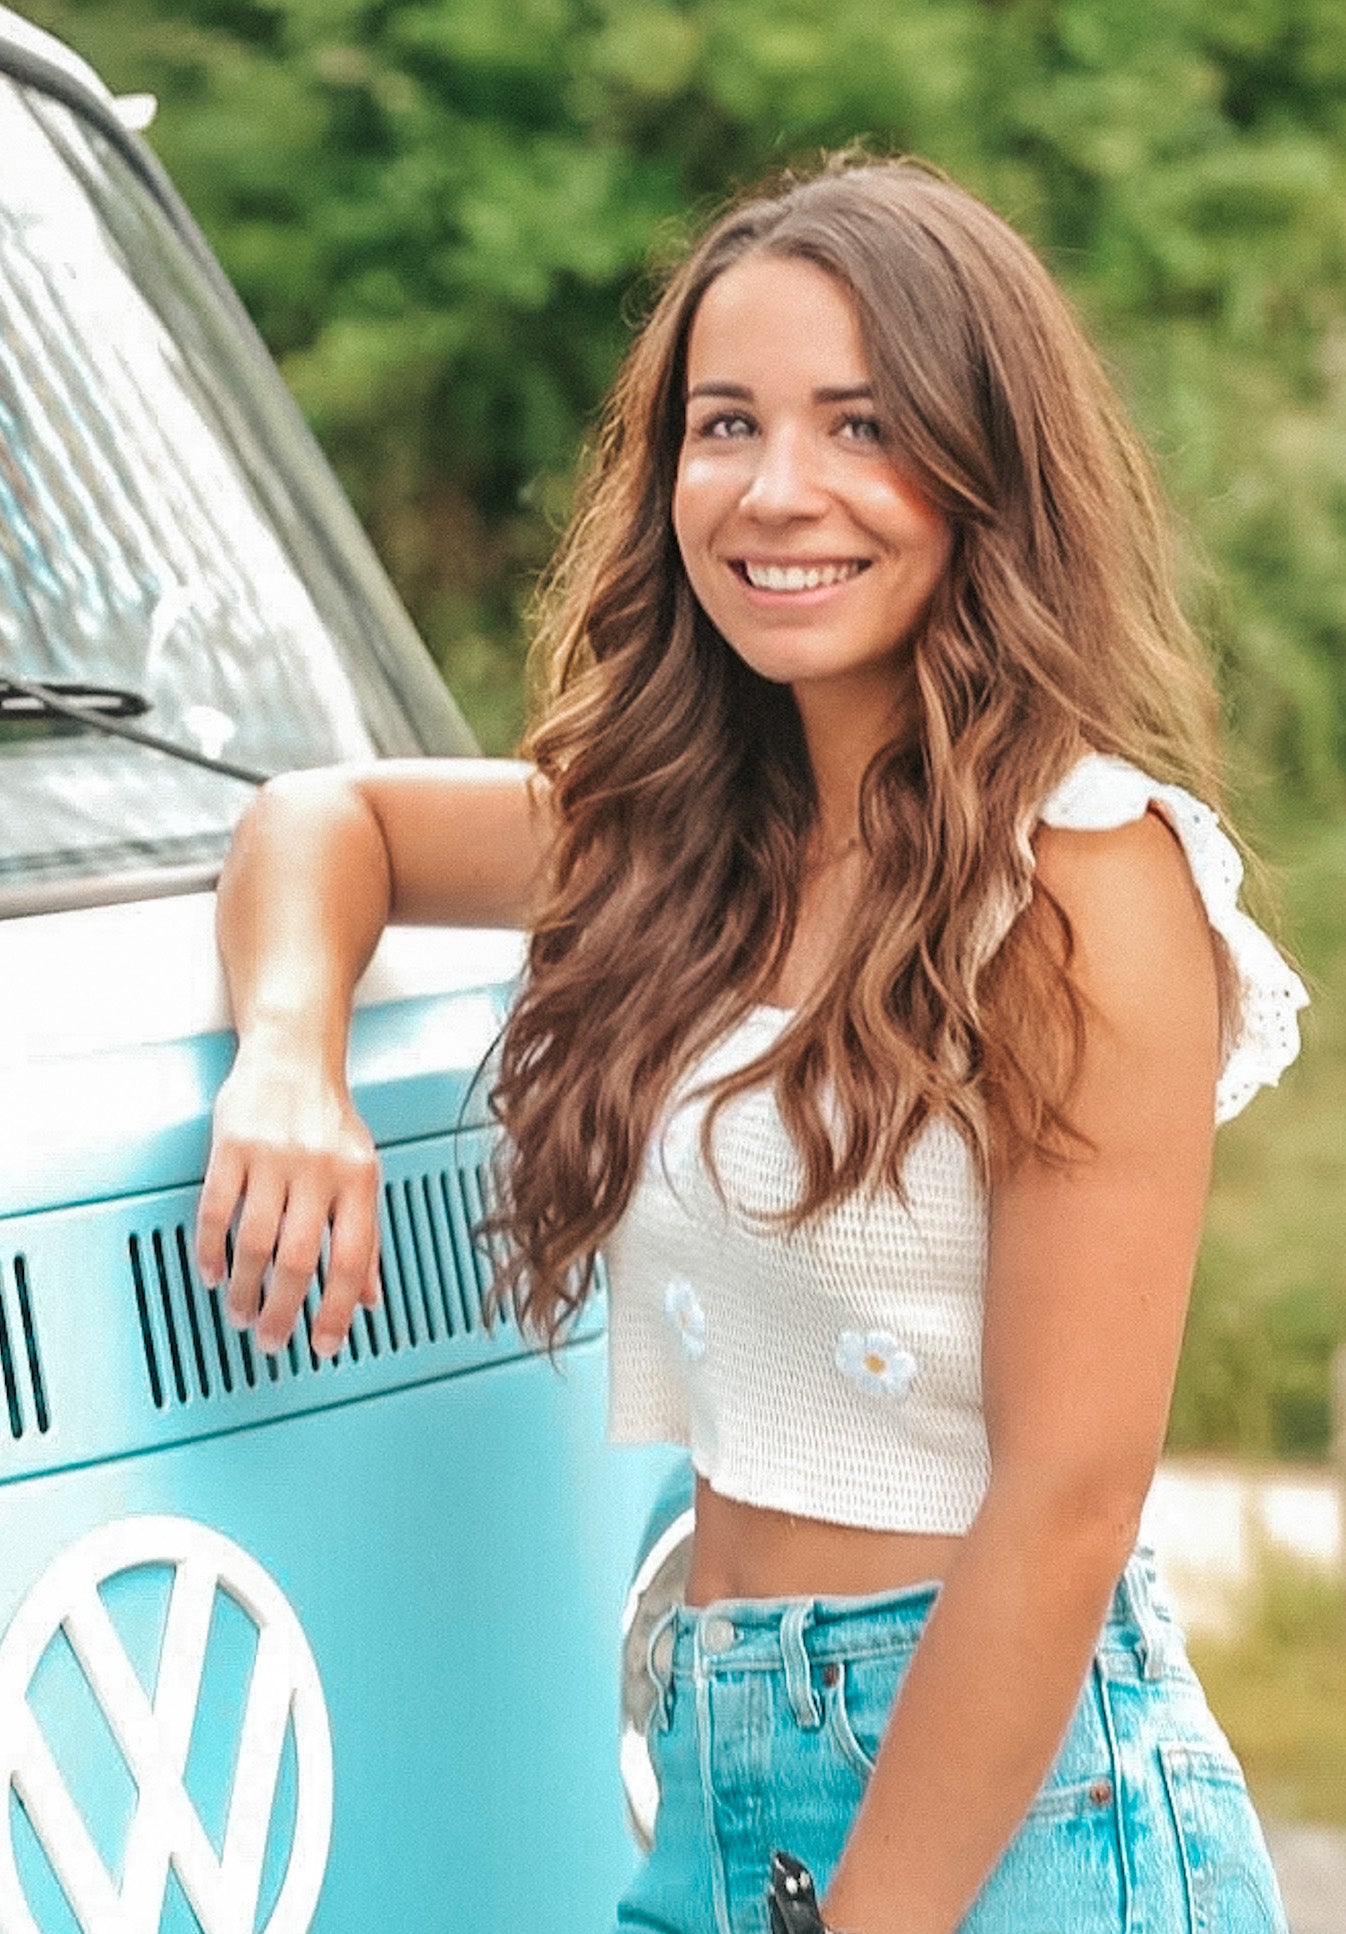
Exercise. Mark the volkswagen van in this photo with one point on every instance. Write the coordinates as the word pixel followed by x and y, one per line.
pixel 284 1642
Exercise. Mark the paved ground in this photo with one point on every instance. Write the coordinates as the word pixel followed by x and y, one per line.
pixel 1208 1520
pixel 1311 1862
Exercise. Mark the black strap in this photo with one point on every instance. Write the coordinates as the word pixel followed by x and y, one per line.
pixel 791 1897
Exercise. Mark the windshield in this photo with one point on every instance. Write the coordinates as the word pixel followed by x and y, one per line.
pixel 166 529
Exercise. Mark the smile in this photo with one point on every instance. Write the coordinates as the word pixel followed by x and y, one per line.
pixel 798 577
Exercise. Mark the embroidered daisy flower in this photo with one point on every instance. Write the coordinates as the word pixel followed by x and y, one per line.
pixel 686 1315
pixel 876 1361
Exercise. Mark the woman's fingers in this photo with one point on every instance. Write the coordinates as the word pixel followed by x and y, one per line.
pixel 254 1241
pixel 219 1198
pixel 295 1260
pixel 352 1258
pixel 372 1293
pixel 288 1207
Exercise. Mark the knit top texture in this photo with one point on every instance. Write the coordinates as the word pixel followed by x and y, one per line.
pixel 835 1371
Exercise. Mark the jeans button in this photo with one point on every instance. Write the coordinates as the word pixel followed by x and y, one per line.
pixel 717 1634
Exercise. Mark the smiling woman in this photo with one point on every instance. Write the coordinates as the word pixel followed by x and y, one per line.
pixel 886 980
pixel 856 841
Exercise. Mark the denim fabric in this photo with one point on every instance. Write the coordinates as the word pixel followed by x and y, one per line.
pixel 768 1715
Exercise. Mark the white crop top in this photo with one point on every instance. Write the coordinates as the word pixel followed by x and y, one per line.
pixel 836 1372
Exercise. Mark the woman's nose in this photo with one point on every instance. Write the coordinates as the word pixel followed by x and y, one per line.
pixel 785 481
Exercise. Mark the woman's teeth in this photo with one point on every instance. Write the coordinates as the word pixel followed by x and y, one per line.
pixel 799 577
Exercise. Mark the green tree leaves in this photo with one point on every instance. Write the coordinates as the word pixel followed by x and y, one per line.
pixel 440 213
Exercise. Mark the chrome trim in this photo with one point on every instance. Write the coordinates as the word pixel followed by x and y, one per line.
pixel 657 1569
pixel 110 890
pixel 668 1540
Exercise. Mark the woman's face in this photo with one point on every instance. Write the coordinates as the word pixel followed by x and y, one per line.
pixel 810 552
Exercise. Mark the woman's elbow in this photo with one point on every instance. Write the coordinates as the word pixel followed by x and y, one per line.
pixel 1082 1515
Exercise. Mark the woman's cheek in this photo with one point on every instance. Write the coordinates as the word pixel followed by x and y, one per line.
pixel 924 514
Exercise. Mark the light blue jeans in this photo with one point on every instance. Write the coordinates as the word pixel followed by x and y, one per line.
pixel 768 1715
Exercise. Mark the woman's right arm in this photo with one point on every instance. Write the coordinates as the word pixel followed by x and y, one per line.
pixel 321 862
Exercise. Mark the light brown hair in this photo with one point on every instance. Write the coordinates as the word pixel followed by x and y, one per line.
pixel 682 789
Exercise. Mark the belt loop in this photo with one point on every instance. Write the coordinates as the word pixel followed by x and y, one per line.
pixel 1137 1585
pixel 661 1680
pixel 798 1682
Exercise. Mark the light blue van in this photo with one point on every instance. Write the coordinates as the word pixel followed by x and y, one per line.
pixel 283 1643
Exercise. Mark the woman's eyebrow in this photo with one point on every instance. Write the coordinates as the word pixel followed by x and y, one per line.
pixel 830 393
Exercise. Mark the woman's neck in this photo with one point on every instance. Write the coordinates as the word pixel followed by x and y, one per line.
pixel 844 731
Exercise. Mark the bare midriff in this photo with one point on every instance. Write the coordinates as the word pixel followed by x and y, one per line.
pixel 747 1551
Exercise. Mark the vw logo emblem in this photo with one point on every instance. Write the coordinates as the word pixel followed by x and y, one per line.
pixel 154 1736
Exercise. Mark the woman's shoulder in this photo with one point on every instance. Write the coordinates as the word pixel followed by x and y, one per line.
pixel 1101 793
pixel 1104 793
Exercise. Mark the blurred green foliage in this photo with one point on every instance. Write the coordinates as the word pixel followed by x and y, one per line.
pixel 1269 1306
pixel 442 215
pixel 1278 1685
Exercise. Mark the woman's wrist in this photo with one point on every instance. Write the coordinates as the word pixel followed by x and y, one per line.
pixel 308 1035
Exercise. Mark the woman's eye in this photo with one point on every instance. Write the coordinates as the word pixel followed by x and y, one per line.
pixel 728 423
pixel 864 429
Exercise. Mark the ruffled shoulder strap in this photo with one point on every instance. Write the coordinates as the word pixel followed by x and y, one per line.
pixel 1102 791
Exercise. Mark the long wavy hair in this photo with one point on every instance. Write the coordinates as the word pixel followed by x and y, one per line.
pixel 679 779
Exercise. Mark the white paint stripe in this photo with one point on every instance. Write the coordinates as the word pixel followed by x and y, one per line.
pixel 257 1774
pixel 64 1837
pixel 181 1669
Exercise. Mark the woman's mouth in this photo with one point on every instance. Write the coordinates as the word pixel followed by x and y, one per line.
pixel 778 575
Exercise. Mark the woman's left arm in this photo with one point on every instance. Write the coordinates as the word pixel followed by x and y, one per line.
pixel 1089 1274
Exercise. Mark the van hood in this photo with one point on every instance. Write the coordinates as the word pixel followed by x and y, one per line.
pixel 115 1036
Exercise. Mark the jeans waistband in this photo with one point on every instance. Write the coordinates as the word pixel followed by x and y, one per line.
pixel 791 1635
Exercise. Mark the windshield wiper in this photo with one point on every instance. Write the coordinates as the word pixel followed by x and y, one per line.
pixel 108 701
pixel 106 708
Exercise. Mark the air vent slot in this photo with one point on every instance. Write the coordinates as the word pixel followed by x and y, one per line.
pixel 25 1386
pixel 436 1270
pixel 436 1274
pixel 468 1191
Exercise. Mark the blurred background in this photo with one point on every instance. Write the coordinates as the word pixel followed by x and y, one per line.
pixel 444 218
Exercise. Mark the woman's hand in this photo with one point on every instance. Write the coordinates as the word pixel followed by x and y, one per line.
pixel 321 860
pixel 291 1164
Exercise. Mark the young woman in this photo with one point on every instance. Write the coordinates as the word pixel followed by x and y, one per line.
pixel 886 984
